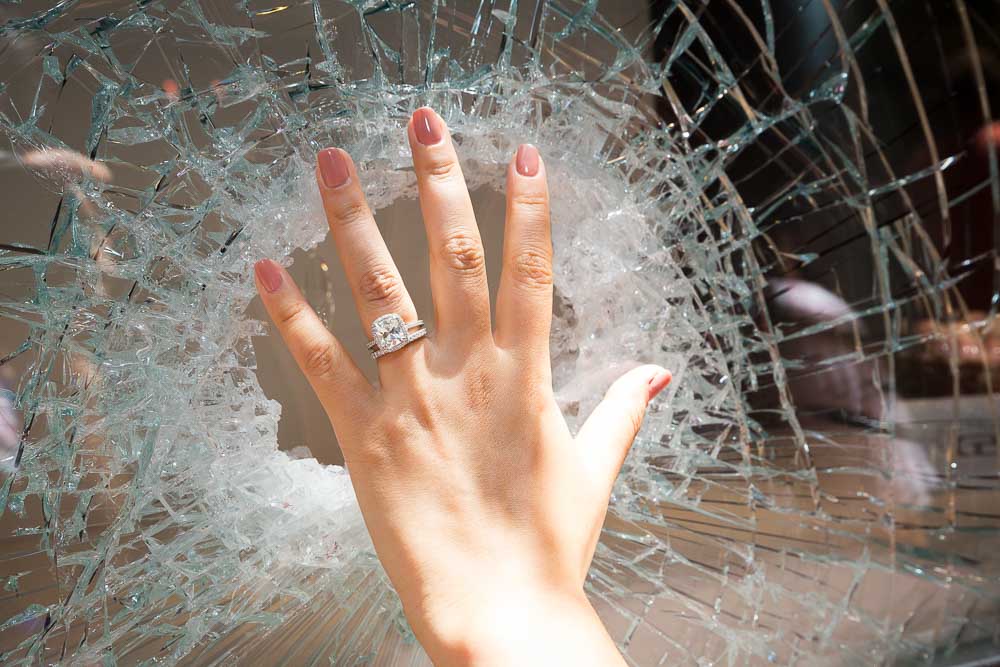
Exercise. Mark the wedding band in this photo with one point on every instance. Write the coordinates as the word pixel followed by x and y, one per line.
pixel 391 333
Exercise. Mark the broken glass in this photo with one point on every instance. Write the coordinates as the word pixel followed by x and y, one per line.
pixel 794 205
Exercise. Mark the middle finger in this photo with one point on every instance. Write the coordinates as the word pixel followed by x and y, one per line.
pixel 458 265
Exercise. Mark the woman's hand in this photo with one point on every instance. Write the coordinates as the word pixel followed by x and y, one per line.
pixel 484 509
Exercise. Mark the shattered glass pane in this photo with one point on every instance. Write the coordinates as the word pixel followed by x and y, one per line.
pixel 792 204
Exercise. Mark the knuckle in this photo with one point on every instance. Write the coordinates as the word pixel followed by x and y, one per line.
pixel 350 211
pixel 440 168
pixel 534 204
pixel 379 285
pixel 463 253
pixel 422 416
pixel 291 313
pixel 397 429
pixel 532 267
pixel 319 359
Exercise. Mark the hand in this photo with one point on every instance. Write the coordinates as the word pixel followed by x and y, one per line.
pixel 484 509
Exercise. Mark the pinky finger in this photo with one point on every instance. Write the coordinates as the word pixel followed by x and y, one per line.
pixel 337 381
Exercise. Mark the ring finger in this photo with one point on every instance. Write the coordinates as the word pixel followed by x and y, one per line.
pixel 375 282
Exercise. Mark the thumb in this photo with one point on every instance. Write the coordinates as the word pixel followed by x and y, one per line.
pixel 607 435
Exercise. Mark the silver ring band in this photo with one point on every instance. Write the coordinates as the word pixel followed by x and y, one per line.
pixel 391 333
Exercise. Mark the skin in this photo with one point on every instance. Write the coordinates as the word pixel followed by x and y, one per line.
pixel 483 508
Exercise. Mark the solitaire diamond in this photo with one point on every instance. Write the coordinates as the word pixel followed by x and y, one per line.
pixel 389 332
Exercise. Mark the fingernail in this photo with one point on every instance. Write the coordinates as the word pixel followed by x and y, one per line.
pixel 333 167
pixel 527 160
pixel 658 382
pixel 269 274
pixel 427 126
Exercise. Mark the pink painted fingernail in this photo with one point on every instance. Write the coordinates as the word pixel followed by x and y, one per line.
pixel 526 161
pixel 427 126
pixel 269 274
pixel 658 382
pixel 333 167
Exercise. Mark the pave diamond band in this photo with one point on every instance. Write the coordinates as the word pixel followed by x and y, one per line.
pixel 391 333
pixel 416 335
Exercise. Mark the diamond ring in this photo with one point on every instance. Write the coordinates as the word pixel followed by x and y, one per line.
pixel 391 333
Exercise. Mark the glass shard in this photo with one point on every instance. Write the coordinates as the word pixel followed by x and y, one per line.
pixel 794 205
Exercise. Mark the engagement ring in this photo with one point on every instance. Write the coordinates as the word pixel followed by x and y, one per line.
pixel 391 333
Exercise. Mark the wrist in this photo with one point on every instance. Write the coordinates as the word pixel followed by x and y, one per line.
pixel 515 626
